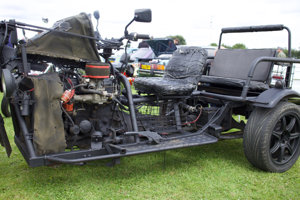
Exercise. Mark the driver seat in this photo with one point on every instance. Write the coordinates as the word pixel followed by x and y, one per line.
pixel 181 76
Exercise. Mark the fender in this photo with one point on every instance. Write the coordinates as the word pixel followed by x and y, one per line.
pixel 270 98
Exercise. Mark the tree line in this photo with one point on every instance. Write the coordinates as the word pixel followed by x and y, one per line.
pixel 295 52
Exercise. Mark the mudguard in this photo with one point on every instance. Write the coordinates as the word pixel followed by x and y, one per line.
pixel 270 98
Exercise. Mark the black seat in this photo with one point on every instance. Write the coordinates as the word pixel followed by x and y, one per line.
pixel 231 67
pixel 181 76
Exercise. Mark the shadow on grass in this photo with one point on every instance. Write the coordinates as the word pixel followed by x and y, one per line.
pixel 154 164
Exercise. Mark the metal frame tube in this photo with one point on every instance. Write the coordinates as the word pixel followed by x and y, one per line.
pixel 254 65
pixel 126 83
pixel 288 73
pixel 25 132
pixel 289 41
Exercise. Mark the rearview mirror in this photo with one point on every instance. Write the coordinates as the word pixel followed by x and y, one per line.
pixel 96 14
pixel 143 15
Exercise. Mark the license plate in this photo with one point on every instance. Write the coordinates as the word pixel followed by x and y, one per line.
pixel 146 67
pixel 160 67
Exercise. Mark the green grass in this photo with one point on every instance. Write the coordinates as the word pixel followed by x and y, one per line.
pixel 216 171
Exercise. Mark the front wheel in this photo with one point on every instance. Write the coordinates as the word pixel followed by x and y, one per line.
pixel 5 107
pixel 272 137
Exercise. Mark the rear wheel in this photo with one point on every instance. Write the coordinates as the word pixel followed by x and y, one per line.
pixel 272 137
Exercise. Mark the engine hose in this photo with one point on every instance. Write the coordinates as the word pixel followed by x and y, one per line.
pixel 68 116
pixel 90 91
pixel 120 104
pixel 80 85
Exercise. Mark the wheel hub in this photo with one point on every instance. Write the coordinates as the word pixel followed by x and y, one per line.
pixel 285 138
pixel 283 141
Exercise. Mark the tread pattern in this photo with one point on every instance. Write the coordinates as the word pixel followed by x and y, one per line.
pixel 258 132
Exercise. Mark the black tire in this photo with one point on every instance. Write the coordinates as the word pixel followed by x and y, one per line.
pixel 8 83
pixel 272 137
pixel 5 107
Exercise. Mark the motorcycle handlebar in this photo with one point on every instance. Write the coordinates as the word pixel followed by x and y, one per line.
pixel 143 36
pixel 136 36
pixel 116 43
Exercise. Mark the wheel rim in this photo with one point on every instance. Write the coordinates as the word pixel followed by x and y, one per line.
pixel 285 139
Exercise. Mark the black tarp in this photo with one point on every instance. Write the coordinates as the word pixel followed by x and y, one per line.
pixel 49 133
pixel 60 45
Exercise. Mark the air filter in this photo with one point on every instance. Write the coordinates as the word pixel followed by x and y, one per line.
pixel 97 70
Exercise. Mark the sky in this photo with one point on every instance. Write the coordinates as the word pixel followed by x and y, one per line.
pixel 199 22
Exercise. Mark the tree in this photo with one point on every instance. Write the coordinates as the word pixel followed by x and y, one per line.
pixel 239 46
pixel 226 46
pixel 235 46
pixel 179 38
pixel 295 53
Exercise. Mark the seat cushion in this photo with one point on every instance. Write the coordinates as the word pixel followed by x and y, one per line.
pixel 181 76
pixel 187 62
pixel 231 68
pixel 236 63
pixel 232 82
pixel 163 86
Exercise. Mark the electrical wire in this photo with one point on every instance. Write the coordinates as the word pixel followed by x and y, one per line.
pixel 194 121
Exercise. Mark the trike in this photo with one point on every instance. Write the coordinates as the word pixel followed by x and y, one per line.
pixel 80 108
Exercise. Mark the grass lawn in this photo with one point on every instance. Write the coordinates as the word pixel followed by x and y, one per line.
pixel 216 171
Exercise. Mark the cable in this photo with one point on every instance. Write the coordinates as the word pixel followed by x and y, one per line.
pixel 68 116
pixel 194 121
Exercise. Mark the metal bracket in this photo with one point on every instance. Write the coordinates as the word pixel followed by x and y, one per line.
pixel 3 137
pixel 215 130
pixel 153 137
